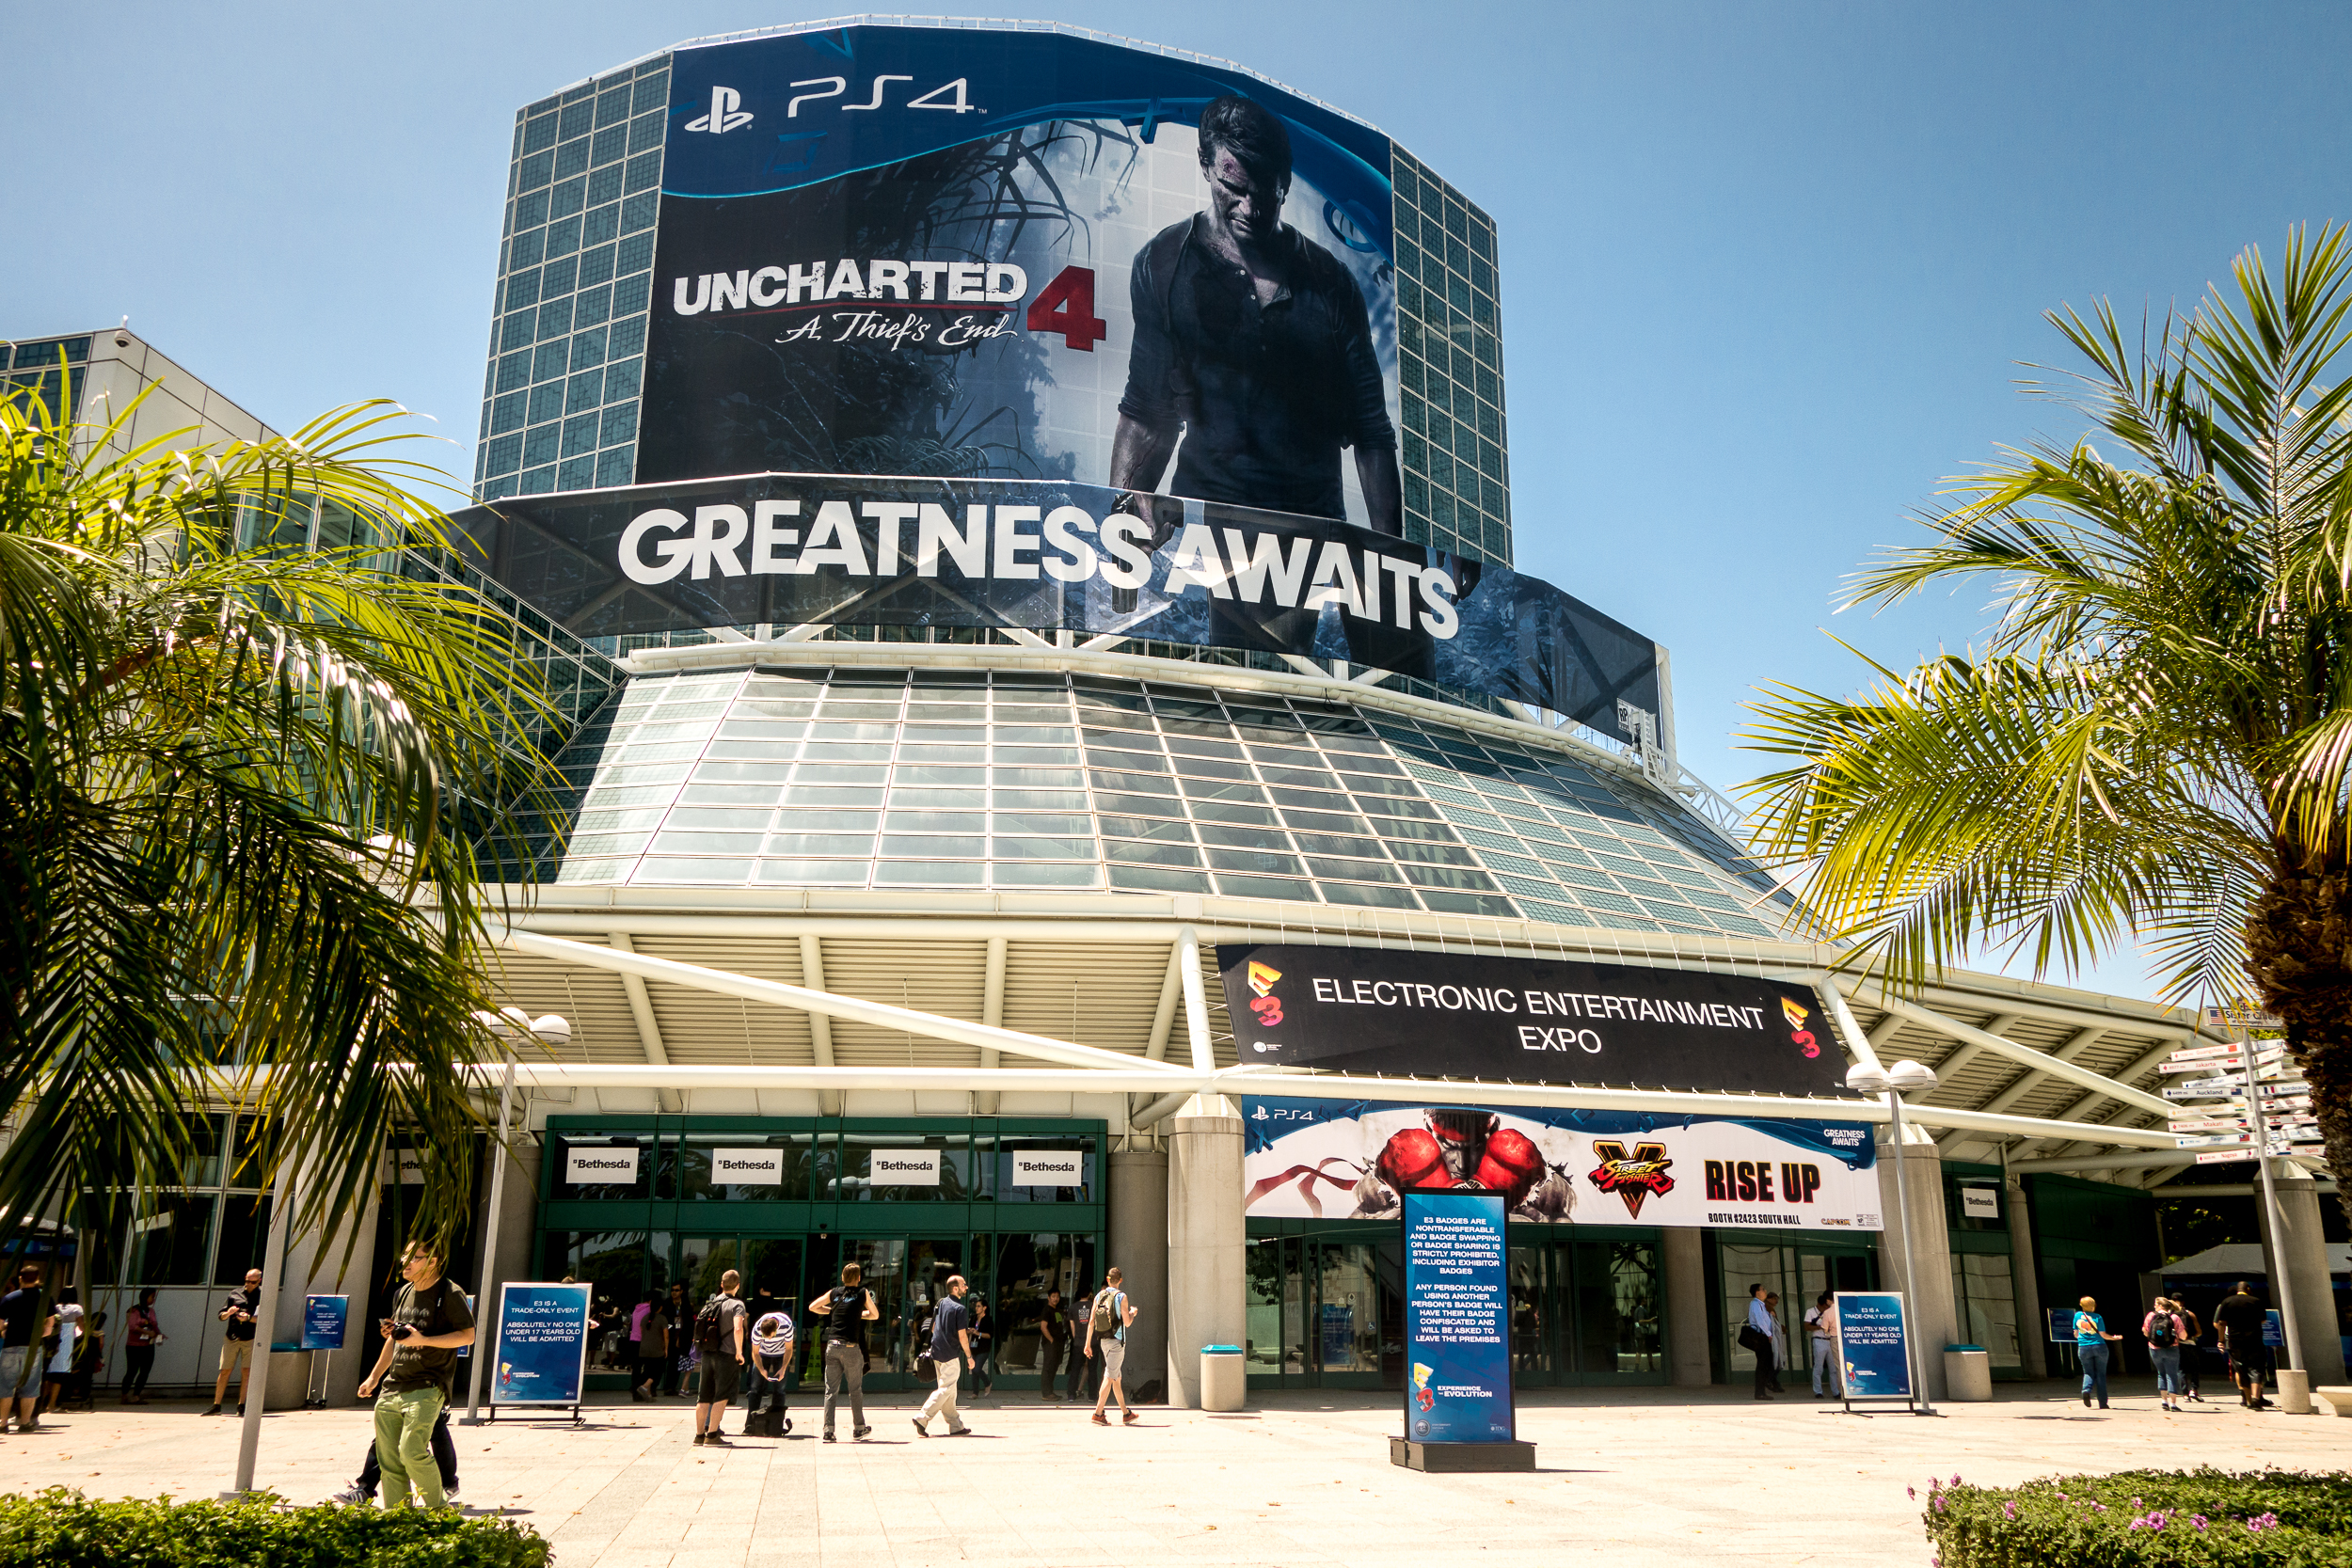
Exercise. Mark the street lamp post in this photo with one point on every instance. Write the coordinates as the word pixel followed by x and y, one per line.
pixel 550 1030
pixel 1893 1082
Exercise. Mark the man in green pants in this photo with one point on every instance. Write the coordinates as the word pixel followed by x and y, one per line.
pixel 429 1326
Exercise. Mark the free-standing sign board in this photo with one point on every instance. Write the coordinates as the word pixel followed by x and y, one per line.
pixel 1458 1333
pixel 1875 1346
pixel 542 1345
pixel 324 1319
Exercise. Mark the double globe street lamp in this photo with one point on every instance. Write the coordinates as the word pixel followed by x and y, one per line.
pixel 512 1026
pixel 1906 1077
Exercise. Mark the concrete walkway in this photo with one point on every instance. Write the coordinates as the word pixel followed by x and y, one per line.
pixel 1653 1476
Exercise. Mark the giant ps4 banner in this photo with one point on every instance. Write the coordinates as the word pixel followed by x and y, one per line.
pixel 1026 330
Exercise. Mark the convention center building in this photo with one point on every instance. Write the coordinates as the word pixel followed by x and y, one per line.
pixel 1060 770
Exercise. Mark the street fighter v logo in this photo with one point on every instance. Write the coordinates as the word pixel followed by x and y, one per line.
pixel 1632 1177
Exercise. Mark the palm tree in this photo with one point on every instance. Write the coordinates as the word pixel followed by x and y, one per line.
pixel 2156 737
pixel 231 754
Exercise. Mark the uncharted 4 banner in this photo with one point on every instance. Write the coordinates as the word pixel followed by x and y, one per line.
pixel 1450 1015
pixel 793 549
pixel 1326 1159
pixel 974 253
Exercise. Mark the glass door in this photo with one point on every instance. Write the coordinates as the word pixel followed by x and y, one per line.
pixel 1618 1305
pixel 1533 1363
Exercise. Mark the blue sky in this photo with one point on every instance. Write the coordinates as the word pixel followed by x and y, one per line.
pixel 1768 270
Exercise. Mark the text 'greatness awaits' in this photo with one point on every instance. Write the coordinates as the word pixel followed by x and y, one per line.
pixel 1023 544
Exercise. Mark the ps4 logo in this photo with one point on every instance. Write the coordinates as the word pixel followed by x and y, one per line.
pixel 725 113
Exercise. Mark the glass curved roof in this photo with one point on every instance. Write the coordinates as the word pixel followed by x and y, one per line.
pixel 971 779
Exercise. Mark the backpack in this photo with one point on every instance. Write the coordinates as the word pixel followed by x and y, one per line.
pixel 706 1324
pixel 2160 1332
pixel 1105 1323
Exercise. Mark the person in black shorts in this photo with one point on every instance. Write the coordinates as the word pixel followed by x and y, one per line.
pixel 2241 1318
pixel 721 1358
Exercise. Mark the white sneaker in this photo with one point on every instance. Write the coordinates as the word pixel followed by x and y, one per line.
pixel 355 1493
pixel 449 1496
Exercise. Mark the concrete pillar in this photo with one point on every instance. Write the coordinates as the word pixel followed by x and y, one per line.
pixel 2032 1338
pixel 1932 1313
pixel 1138 1247
pixel 1689 1353
pixel 1205 1238
pixel 2305 1255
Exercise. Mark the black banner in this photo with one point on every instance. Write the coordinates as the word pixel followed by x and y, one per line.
pixel 1441 1015
pixel 1047 555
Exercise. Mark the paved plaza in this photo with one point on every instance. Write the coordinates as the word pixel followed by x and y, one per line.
pixel 1653 1476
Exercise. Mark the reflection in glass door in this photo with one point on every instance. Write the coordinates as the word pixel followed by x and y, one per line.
pixel 1617 1308
pixel 1531 1317
pixel 930 1263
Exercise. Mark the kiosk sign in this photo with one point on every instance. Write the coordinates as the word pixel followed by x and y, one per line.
pixel 542 1344
pixel 1457 1319
pixel 1875 1346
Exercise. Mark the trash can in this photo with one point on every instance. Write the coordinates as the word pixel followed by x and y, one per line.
pixel 1967 1373
pixel 1224 1379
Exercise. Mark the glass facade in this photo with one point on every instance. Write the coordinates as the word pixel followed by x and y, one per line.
pixel 1449 325
pixel 1015 780
pixel 568 341
pixel 673 1226
pixel 50 370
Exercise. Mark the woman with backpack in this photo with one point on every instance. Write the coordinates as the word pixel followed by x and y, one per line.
pixel 2166 1335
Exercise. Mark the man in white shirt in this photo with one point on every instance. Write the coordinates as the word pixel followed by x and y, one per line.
pixel 1757 1334
pixel 1822 1321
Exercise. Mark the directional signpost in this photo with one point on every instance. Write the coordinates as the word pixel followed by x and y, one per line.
pixel 2243 1099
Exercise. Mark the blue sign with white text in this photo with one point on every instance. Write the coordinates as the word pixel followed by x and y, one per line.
pixel 1457 1318
pixel 324 1319
pixel 542 1344
pixel 1873 1345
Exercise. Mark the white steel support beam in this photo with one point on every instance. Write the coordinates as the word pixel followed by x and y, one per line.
pixel 2028 1081
pixel 992 1014
pixel 1163 1015
pixel 1196 1000
pixel 648 1027
pixel 2011 1049
pixel 2145 1064
pixel 2038 1127
pixel 826 1004
pixel 1864 1048
pixel 1965 1051
pixel 820 1026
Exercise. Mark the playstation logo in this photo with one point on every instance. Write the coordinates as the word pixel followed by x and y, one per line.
pixel 723 115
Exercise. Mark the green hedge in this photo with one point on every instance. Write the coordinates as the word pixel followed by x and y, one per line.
pixel 62 1529
pixel 2141 1518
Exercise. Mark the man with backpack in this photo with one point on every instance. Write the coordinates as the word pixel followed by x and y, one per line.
pixel 430 1323
pixel 951 1349
pixel 719 1338
pixel 847 1308
pixel 1107 1326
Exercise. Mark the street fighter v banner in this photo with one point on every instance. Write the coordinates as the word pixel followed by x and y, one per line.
pixel 1435 1015
pixel 1329 1159
pixel 796 549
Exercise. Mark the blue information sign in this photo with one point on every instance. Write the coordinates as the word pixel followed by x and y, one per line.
pixel 324 1321
pixel 542 1344
pixel 2061 1326
pixel 2274 1330
pixel 1457 1319
pixel 1873 1345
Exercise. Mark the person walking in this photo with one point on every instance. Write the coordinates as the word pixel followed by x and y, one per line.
pixel 951 1350
pixel 1106 1330
pixel 2166 1336
pixel 983 1348
pixel 430 1322
pixel 141 1333
pixel 1822 1327
pixel 1755 1335
pixel 2192 1350
pixel 718 1334
pixel 1053 1345
pixel 1780 1339
pixel 681 1320
pixel 653 1348
pixel 57 1380
pixel 2092 1340
pixel 2242 1318
pixel 847 1308
pixel 236 1343
pixel 25 1321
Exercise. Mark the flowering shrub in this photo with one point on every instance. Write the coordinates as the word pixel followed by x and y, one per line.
pixel 61 1528
pixel 2202 1518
